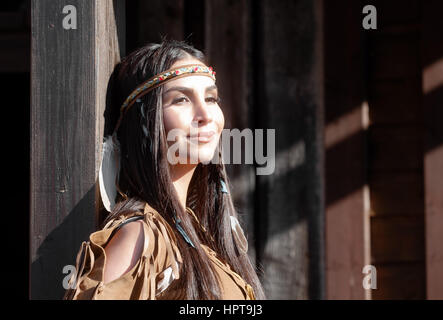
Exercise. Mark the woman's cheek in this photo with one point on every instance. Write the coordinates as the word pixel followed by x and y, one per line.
pixel 167 121
pixel 172 120
pixel 219 119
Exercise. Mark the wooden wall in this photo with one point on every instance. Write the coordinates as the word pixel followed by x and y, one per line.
pixel 383 119
pixel 69 75
pixel 395 141
pixel 346 123
pixel 288 73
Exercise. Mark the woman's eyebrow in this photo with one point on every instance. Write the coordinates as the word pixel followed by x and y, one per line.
pixel 213 87
pixel 188 90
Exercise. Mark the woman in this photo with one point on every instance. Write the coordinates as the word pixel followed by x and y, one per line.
pixel 173 233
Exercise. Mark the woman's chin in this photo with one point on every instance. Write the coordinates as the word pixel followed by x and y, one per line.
pixel 204 156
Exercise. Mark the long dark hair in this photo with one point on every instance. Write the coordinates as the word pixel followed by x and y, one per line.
pixel 144 174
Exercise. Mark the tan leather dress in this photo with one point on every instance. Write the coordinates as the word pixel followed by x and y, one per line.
pixel 153 275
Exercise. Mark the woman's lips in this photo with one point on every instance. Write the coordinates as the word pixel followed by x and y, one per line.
pixel 202 136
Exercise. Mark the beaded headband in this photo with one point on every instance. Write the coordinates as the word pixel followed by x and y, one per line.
pixel 162 78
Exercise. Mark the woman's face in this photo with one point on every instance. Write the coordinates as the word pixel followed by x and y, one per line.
pixel 192 118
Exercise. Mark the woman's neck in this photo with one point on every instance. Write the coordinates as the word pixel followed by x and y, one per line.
pixel 181 176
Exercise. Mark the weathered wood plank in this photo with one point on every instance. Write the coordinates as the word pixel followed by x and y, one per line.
pixel 394 56
pixel 395 148
pixel 289 98
pixel 400 281
pixel 67 106
pixel 397 239
pixel 396 12
pixel 396 193
pixel 395 102
pixel 347 202
pixel 110 46
pixel 395 153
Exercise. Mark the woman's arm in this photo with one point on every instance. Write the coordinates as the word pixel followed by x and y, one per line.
pixel 123 250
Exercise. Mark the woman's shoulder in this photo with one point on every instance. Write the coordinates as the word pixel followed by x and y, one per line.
pixel 138 240
pixel 124 249
pixel 146 230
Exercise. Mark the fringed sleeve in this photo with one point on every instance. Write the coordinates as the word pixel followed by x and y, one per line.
pixel 157 267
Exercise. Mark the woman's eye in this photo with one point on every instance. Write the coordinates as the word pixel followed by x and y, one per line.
pixel 213 100
pixel 180 100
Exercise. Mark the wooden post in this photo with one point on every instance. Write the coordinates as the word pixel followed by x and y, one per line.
pixel 346 120
pixel 288 75
pixel 70 70
pixel 432 85
pixel 395 166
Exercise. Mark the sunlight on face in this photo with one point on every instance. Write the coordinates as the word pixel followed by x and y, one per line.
pixel 192 115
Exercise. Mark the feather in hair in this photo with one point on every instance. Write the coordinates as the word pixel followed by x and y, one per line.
pixel 109 170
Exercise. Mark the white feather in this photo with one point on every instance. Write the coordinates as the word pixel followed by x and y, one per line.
pixel 109 170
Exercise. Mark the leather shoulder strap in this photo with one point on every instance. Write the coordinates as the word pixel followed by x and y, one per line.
pixel 131 219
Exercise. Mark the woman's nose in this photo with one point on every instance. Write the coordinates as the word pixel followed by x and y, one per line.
pixel 202 111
